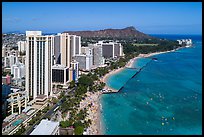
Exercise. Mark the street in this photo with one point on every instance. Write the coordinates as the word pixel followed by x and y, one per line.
pixel 50 112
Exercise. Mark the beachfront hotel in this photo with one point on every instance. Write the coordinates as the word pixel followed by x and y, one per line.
pixel 38 64
pixel 75 42
pixel 98 59
pixel 85 59
pixel 110 49
pixel 66 47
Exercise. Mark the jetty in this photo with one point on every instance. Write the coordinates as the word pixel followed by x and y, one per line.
pixel 108 91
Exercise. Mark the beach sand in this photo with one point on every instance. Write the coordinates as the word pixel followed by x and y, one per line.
pixel 94 98
pixel 128 65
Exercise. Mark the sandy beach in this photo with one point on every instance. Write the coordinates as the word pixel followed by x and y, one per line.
pixel 128 65
pixel 94 98
pixel 93 112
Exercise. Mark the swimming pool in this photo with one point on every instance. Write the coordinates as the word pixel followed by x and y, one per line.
pixel 17 122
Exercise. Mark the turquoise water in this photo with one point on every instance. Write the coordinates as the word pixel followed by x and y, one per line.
pixel 17 122
pixel 121 78
pixel 164 98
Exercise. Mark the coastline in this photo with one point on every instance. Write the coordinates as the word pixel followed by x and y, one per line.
pixel 128 65
pixel 96 127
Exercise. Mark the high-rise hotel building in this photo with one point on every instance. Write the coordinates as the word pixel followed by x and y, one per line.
pixel 39 64
pixel 75 42
pixel 66 47
pixel 111 49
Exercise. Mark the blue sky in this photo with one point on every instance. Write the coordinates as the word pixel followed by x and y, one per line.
pixel 148 17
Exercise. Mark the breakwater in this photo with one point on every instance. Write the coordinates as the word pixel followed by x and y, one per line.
pixel 136 73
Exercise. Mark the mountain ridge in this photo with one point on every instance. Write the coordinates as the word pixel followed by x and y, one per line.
pixel 128 32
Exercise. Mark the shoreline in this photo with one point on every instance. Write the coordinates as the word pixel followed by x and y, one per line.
pixel 128 65
pixel 97 128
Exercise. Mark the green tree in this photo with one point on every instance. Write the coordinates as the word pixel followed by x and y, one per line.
pixel 85 80
pixel 72 84
pixel 78 130
pixel 65 124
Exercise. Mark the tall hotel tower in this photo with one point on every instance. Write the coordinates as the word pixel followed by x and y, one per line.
pixel 38 64
pixel 66 47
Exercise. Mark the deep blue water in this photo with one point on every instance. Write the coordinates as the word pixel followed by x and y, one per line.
pixel 164 98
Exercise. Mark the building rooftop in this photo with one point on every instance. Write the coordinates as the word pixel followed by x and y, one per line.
pixel 58 66
pixel 45 127
pixel 10 117
pixel 14 90
pixel 27 109
pixel 41 97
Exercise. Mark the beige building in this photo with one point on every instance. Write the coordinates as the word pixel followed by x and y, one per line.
pixel 65 49
pixel 17 101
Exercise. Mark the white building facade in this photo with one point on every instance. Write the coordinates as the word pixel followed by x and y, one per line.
pixel 111 49
pixel 98 59
pixel 21 46
pixel 10 60
pixel 85 59
pixel 17 101
pixel 38 64
pixel 18 70
pixel 46 127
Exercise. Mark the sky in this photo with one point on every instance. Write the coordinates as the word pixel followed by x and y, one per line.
pixel 147 17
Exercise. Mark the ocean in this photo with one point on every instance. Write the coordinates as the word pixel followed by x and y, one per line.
pixel 165 98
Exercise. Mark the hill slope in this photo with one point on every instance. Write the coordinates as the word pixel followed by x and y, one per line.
pixel 128 32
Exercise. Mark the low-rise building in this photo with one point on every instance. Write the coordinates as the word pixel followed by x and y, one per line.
pixel 6 125
pixel 6 90
pixel 46 127
pixel 60 74
pixel 185 41
pixel 6 80
pixel 74 71
pixel 10 60
pixel 41 100
pixel 17 101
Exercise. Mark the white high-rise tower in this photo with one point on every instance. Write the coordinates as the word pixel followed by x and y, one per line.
pixel 38 64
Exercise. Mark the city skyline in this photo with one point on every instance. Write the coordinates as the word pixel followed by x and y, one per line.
pixel 148 17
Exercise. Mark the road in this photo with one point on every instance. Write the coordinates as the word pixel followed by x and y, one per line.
pixel 50 112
